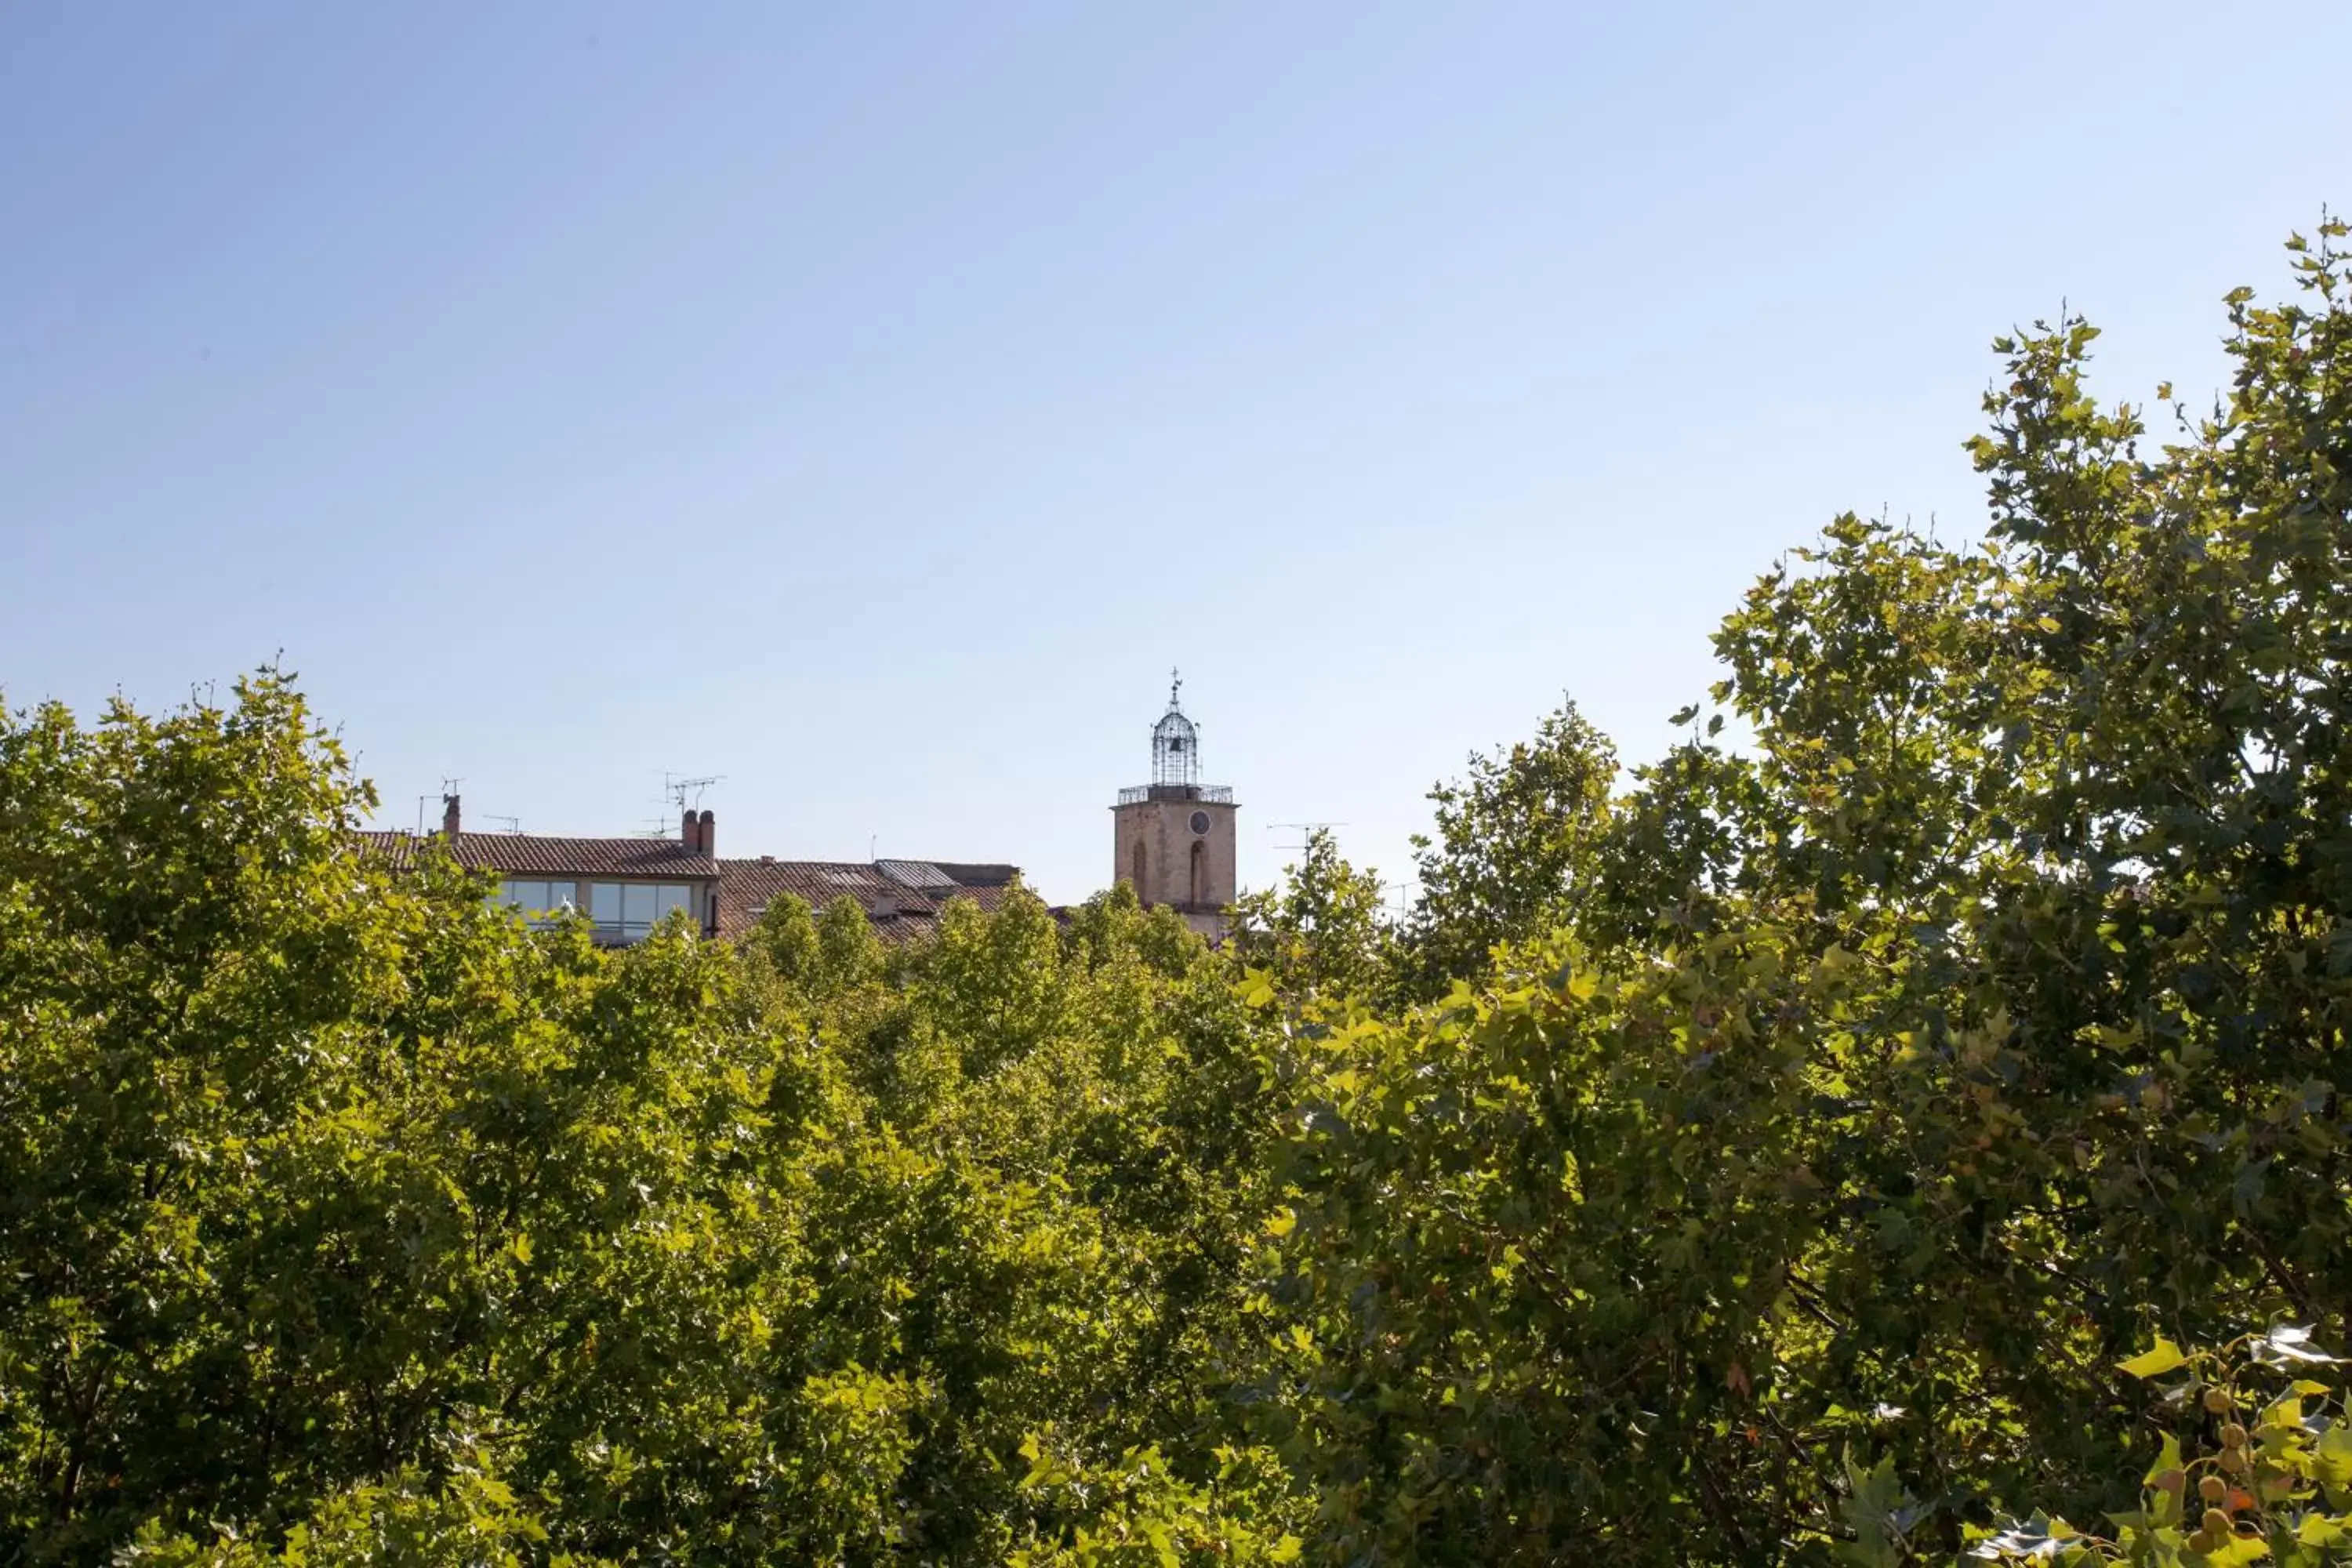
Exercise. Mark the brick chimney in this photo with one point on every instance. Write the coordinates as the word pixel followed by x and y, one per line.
pixel 448 816
pixel 687 829
pixel 709 841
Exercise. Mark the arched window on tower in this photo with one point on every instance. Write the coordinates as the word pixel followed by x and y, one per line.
pixel 1200 870
pixel 1138 877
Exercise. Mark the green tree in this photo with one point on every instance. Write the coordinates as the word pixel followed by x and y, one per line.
pixel 1323 933
pixel 1515 848
pixel 341 1205
pixel 1903 1069
pixel 784 938
pixel 848 952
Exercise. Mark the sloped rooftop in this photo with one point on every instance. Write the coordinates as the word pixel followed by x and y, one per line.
pixel 902 897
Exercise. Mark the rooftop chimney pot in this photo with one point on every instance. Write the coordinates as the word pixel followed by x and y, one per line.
pixel 709 838
pixel 449 816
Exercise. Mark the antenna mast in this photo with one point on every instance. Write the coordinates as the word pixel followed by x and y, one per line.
pixel 685 793
pixel 449 788
pixel 1307 830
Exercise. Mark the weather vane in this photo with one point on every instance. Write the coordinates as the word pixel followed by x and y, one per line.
pixel 1175 685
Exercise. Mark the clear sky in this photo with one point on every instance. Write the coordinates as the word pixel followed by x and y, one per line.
pixel 870 403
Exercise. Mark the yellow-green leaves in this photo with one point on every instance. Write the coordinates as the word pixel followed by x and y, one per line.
pixel 2156 1361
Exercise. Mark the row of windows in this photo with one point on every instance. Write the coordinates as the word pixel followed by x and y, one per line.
pixel 621 911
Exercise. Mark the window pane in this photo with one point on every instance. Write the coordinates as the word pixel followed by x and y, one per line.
pixel 604 903
pixel 668 899
pixel 636 904
pixel 563 895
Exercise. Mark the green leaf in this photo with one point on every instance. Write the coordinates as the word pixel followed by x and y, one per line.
pixel 2239 1548
pixel 2155 1363
pixel 2168 1461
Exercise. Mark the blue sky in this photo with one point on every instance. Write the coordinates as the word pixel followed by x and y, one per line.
pixel 870 404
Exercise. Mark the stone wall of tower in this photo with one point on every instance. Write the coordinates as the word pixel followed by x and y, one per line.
pixel 1186 852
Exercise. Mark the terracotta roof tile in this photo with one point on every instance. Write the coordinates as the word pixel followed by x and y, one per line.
pixel 539 855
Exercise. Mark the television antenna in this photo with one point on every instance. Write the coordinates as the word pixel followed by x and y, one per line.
pixel 685 794
pixel 1306 830
pixel 449 788
pixel 513 824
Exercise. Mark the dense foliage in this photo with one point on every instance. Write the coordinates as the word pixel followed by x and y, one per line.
pixel 1787 1153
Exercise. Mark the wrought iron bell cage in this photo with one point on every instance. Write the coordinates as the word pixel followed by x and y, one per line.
pixel 1175 750
pixel 1175 759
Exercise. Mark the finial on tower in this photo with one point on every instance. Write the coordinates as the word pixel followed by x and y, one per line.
pixel 1175 685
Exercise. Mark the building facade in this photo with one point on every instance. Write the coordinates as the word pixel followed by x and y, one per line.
pixel 1174 840
pixel 627 886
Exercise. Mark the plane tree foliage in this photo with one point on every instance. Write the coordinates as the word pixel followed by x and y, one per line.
pixel 334 1203
pixel 1322 932
pixel 1915 1131
pixel 1903 1071
pixel 1514 850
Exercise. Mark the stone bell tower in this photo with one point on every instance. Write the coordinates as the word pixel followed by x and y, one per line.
pixel 1173 839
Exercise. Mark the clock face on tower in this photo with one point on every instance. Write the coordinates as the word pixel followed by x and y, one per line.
pixel 1200 822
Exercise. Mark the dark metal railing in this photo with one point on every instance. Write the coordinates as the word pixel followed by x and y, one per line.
pixel 1216 794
